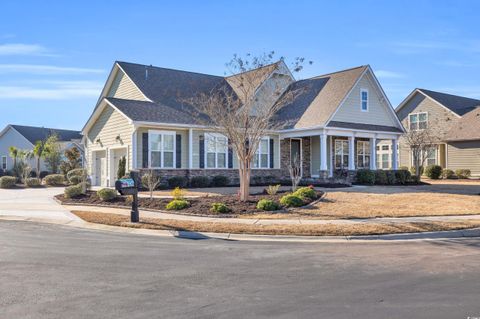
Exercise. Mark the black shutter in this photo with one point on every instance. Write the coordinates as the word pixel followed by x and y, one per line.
pixel 144 150
pixel 178 151
pixel 271 153
pixel 230 155
pixel 201 140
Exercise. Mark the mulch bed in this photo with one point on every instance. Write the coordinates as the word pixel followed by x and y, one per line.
pixel 198 205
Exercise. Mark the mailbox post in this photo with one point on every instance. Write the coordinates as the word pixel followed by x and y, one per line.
pixel 130 186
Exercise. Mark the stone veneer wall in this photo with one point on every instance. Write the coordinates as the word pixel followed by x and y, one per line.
pixel 285 156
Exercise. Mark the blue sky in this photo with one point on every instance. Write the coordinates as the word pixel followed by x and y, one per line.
pixel 55 55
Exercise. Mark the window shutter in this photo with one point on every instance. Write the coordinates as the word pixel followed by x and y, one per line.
pixel 144 150
pixel 271 153
pixel 230 155
pixel 201 140
pixel 178 151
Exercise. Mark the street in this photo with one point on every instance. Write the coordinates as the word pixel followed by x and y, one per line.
pixel 51 271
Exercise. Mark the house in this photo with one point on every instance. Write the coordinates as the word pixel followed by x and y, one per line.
pixel 455 124
pixel 24 138
pixel 334 123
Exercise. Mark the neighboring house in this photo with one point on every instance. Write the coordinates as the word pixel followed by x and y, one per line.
pixel 455 123
pixel 335 122
pixel 25 137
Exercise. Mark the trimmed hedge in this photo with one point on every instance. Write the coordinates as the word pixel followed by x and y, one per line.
pixel 7 181
pixel 391 178
pixel 306 192
pixel 199 181
pixel 177 181
pixel 365 176
pixel 220 181
pixel 448 174
pixel 463 173
pixel 73 191
pixel 267 205
pixel 402 176
pixel 177 204
pixel 291 201
pixel 54 180
pixel 219 208
pixel 74 176
pixel 107 194
pixel 433 171
pixel 381 177
pixel 32 182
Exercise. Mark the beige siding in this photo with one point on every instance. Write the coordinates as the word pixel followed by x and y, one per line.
pixel 377 114
pixel 464 155
pixel 123 88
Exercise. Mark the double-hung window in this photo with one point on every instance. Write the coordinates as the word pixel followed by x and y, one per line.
pixel 262 155
pixel 418 121
pixel 431 156
pixel 385 160
pixel 364 99
pixel 341 153
pixel 162 149
pixel 216 150
pixel 363 154
pixel 4 163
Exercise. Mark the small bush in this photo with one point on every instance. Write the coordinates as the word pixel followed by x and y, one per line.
pixel 74 180
pixel 178 193
pixel 75 174
pixel 267 205
pixel 220 181
pixel 402 176
pixel 414 179
pixel 73 191
pixel 291 201
pixel 7 181
pixel 177 204
pixel 366 176
pixel 463 173
pixel 199 181
pixel 381 177
pixel 219 208
pixel 306 192
pixel 54 180
pixel 32 182
pixel 107 194
pixel 391 178
pixel 433 171
pixel 177 181
pixel 43 174
pixel 272 189
pixel 448 174
pixel 403 168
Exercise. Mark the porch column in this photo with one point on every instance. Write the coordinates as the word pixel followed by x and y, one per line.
pixel 190 148
pixel 351 153
pixel 373 153
pixel 323 152
pixel 394 154
pixel 133 165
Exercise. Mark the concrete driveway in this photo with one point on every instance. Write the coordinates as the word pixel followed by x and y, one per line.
pixel 34 203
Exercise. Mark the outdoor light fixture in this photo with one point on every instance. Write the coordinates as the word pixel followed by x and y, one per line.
pixel 119 139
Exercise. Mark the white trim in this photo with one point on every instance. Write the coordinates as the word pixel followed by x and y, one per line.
pixel 351 153
pixel 373 153
pixel 190 148
pixel 395 157
pixel 330 159
pixel 363 90
pixel 205 141
pixel 258 154
pixel 365 152
pixel 6 162
pixel 163 133
pixel 134 149
pixel 418 121
pixel 323 152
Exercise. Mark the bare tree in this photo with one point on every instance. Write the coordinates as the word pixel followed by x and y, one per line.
pixel 419 142
pixel 295 170
pixel 241 113
pixel 150 181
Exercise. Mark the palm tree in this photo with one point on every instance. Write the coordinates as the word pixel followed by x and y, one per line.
pixel 37 153
pixel 13 154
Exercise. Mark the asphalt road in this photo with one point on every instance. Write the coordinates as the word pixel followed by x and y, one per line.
pixel 49 271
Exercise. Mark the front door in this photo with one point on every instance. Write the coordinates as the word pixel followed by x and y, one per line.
pixel 100 168
pixel 296 152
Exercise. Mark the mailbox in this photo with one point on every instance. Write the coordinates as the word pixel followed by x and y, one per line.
pixel 126 186
pixel 129 186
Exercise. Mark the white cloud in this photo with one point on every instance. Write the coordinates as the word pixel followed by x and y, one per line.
pixel 384 74
pixel 45 69
pixel 23 49
pixel 58 90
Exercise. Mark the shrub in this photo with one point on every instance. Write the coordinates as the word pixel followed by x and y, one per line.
pixel 32 174
pixel 75 174
pixel 381 177
pixel 402 176
pixel 366 176
pixel 54 180
pixel 43 174
pixel 177 181
pixel 177 204
pixel 199 181
pixel 268 205
pixel 463 173
pixel 7 181
pixel 107 194
pixel 73 191
pixel 433 171
pixel 412 170
pixel 306 192
pixel 178 193
pixel 220 181
pixel 32 182
pixel 291 201
pixel 391 178
pixel 220 208
pixel 403 168
pixel 272 189
pixel 414 179
pixel 74 180
pixel 448 174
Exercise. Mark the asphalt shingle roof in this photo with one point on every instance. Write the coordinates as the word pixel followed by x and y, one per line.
pixel 467 128
pixel 34 134
pixel 457 104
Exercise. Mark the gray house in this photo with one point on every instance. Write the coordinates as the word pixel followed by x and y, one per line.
pixel 25 137
pixel 334 123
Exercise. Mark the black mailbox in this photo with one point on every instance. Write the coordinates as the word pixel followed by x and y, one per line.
pixel 129 186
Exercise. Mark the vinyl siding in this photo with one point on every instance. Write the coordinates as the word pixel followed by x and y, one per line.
pixel 13 138
pixel 123 88
pixel 377 114
pixel 464 155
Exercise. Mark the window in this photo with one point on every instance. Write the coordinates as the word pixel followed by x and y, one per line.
pixel 385 160
pixel 364 99
pixel 216 150
pixel 431 157
pixel 162 149
pixel 4 163
pixel 418 121
pixel 341 153
pixel 262 155
pixel 363 154
pixel 385 147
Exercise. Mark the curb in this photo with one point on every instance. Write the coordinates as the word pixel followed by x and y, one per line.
pixel 441 235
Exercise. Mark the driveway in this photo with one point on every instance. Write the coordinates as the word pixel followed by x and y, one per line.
pixel 52 271
pixel 34 203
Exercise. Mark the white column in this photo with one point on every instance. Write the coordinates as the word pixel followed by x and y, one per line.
pixel 190 148
pixel 351 153
pixel 394 154
pixel 332 164
pixel 133 165
pixel 323 152
pixel 373 153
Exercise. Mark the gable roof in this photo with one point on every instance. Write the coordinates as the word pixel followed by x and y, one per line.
pixel 34 134
pixel 466 128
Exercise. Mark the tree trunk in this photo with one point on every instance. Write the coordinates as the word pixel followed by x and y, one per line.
pixel 38 167
pixel 244 174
